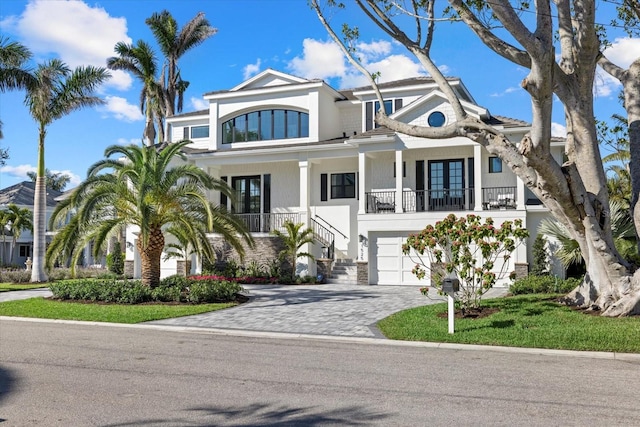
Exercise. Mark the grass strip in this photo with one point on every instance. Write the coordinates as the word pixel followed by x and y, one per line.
pixel 115 313
pixel 534 321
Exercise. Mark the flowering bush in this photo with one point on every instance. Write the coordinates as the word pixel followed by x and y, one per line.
pixel 465 247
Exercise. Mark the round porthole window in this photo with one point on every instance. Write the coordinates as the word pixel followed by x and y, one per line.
pixel 436 119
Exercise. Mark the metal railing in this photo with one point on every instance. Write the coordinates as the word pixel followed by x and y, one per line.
pixel 499 198
pixel 380 202
pixel 266 222
pixel 446 199
pixel 325 236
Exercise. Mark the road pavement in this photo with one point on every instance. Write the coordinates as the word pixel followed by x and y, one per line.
pixel 65 374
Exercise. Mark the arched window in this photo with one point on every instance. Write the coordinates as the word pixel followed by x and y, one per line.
pixel 266 125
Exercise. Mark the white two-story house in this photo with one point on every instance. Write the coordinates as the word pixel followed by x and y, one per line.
pixel 298 149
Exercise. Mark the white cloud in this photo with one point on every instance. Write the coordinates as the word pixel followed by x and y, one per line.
pixel 375 49
pixel 251 70
pixel 121 109
pixel 623 51
pixel 507 91
pixel 74 31
pixel 322 60
pixel 199 103
pixel 21 171
pixel 132 141
pixel 325 60
pixel 558 130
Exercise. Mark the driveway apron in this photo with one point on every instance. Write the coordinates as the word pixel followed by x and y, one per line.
pixel 342 310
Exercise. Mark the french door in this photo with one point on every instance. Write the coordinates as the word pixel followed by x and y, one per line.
pixel 446 184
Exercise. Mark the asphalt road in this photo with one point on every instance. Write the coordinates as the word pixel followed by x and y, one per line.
pixel 55 374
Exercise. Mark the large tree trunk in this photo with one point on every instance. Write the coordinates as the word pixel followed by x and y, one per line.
pixel 38 274
pixel 150 257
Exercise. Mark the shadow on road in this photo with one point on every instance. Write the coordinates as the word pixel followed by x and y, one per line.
pixel 264 414
pixel 7 383
pixel 306 296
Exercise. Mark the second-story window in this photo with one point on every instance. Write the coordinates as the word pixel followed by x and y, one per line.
pixel 266 125
pixel 372 107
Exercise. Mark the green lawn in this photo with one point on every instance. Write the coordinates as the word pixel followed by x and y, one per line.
pixel 523 321
pixel 5 287
pixel 115 313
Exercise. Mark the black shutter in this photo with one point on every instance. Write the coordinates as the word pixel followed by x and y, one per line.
pixel 266 200
pixel 398 104
pixel 223 197
pixel 323 187
pixel 185 132
pixel 420 193
pixel 368 116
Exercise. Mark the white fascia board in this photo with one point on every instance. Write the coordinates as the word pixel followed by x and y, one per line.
pixel 264 91
pixel 188 118
pixel 268 71
pixel 372 140
pixel 337 150
pixel 469 107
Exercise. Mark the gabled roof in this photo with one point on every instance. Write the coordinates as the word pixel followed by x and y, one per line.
pixel 22 194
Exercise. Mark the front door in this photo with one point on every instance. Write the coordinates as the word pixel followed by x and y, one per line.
pixel 247 190
pixel 446 185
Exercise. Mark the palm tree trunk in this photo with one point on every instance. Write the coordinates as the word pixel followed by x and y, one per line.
pixel 150 257
pixel 39 217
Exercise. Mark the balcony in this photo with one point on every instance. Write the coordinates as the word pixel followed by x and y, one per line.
pixel 447 200
pixel 266 222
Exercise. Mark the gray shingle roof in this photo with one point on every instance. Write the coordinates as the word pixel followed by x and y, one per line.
pixel 22 194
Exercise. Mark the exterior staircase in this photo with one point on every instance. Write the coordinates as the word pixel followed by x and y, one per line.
pixel 344 272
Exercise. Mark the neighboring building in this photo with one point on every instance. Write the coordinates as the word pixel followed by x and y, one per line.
pixel 299 149
pixel 21 195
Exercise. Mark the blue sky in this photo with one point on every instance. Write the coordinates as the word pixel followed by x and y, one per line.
pixel 253 35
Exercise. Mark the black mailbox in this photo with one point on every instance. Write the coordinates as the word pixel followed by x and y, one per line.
pixel 450 285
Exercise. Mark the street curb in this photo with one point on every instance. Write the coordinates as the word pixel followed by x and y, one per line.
pixel 628 357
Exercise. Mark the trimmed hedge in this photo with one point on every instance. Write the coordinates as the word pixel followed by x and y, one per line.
pixel 171 289
pixel 543 285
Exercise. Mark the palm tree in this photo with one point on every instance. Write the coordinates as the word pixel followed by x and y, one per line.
pixel 4 222
pixel 174 43
pixel 141 61
pixel 56 92
pixel 53 180
pixel 569 252
pixel 20 219
pixel 13 56
pixel 294 239
pixel 143 190
pixel 13 75
pixel 189 241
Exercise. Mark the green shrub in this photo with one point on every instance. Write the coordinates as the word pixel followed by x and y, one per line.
pixel 209 290
pixel 169 294
pixel 15 276
pixel 543 284
pixel 177 280
pixel 115 260
pixel 109 290
pixel 540 257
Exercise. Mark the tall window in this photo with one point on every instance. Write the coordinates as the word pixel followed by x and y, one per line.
pixel 266 125
pixel 495 165
pixel 343 185
pixel 372 107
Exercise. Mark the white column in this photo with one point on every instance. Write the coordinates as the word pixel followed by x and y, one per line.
pixel 305 193
pixel 362 184
pixel 399 169
pixel 214 172
pixel 477 177
pixel 520 201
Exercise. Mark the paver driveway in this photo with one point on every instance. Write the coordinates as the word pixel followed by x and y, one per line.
pixel 345 310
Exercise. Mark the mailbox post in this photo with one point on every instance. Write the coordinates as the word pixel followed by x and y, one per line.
pixel 450 285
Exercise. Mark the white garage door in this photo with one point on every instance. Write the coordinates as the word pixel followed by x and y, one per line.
pixel 388 264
